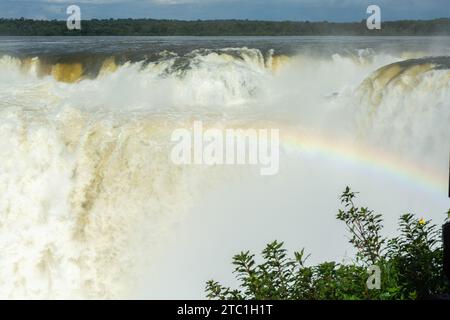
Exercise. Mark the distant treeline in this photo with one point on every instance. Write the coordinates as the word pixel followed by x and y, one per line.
pixel 151 27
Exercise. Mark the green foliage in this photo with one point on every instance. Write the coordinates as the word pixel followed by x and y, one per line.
pixel 417 257
pixel 152 27
pixel 410 264
pixel 364 227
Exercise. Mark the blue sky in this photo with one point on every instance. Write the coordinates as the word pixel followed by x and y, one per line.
pixel 313 10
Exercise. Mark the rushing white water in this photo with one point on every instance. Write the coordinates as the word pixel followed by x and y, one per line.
pixel 92 207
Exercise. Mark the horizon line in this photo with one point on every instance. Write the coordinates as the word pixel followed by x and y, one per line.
pixel 213 20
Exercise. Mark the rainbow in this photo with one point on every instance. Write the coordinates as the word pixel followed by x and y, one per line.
pixel 372 158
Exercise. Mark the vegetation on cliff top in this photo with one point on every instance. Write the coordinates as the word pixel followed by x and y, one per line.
pixel 152 27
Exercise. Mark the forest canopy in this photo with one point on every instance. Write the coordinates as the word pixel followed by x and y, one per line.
pixel 152 27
